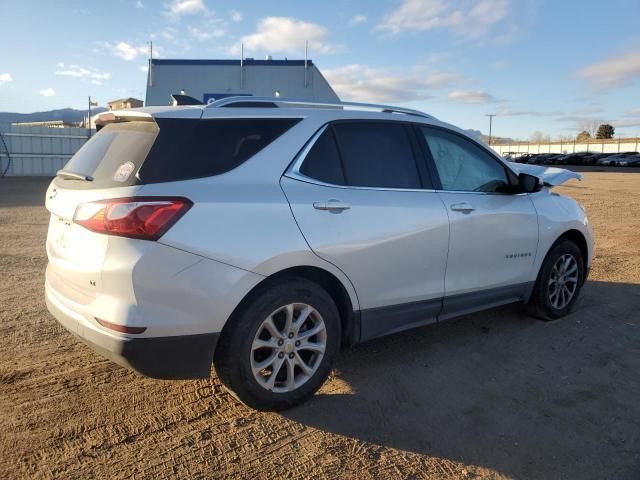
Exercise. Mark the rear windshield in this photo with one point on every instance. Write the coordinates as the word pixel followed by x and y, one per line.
pixel 169 149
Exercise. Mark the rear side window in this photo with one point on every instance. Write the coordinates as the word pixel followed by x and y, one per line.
pixel 323 161
pixel 376 154
pixel 202 148
pixel 142 152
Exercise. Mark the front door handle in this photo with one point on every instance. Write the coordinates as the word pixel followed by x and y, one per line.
pixel 332 205
pixel 463 207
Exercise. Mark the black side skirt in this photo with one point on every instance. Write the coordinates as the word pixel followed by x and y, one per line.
pixel 376 322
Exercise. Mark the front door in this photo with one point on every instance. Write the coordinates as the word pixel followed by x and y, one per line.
pixel 493 229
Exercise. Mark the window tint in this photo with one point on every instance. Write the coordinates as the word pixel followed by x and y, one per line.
pixel 142 152
pixel 201 148
pixel 323 161
pixel 463 166
pixel 376 154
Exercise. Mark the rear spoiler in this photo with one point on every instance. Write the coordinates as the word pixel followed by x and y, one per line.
pixel 121 116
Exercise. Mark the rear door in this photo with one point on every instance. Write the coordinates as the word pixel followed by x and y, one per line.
pixel 493 229
pixel 365 204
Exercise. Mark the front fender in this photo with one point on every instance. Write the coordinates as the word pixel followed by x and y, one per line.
pixel 557 215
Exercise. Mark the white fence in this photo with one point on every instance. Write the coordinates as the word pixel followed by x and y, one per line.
pixel 616 145
pixel 40 151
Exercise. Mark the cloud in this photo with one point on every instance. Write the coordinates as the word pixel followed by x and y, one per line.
pixel 614 71
pixel 506 112
pixel 630 113
pixel 206 34
pixel 186 7
pixel 472 96
pixel 5 78
pixel 358 19
pixel 361 83
pixel 626 123
pixel 139 4
pixel 143 68
pixel 48 92
pixel 127 51
pixel 469 18
pixel 286 35
pixel 581 122
pixel 235 16
pixel 81 72
pixel 442 79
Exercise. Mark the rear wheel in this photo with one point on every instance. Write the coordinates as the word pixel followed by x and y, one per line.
pixel 279 349
pixel 559 282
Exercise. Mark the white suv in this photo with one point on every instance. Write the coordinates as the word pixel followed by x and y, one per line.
pixel 264 237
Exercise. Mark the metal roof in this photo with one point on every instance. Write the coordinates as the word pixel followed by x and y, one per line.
pixel 246 62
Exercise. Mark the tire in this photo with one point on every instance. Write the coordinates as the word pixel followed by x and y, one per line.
pixel 239 353
pixel 543 304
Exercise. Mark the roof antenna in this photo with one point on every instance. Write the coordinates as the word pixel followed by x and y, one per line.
pixel 241 65
pixel 306 55
pixel 150 75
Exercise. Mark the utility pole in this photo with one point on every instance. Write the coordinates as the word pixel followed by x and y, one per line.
pixel 91 104
pixel 490 115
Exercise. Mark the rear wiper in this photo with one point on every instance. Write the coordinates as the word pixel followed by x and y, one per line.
pixel 74 176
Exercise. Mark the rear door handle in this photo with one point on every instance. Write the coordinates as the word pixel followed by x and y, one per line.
pixel 463 207
pixel 332 205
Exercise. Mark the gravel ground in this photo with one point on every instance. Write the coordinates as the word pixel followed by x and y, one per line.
pixel 491 395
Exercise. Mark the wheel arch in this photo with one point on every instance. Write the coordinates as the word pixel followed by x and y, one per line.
pixel 350 326
pixel 577 237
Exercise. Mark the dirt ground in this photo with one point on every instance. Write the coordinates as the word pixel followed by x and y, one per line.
pixel 492 395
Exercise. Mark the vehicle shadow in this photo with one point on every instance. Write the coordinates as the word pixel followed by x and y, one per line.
pixel 502 390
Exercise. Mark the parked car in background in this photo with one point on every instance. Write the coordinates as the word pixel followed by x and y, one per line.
pixel 630 161
pixel 593 158
pixel 538 158
pixel 263 239
pixel 613 160
pixel 571 158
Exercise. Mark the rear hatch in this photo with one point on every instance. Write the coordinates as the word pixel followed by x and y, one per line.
pixel 105 167
pixel 131 150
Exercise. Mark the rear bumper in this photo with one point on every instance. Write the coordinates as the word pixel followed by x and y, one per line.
pixel 173 357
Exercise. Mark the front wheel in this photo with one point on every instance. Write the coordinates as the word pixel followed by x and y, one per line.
pixel 279 349
pixel 559 282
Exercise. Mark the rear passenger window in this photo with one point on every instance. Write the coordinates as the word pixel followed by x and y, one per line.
pixel 376 154
pixel 323 161
pixel 170 149
pixel 200 148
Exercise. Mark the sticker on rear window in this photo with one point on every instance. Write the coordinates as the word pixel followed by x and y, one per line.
pixel 123 172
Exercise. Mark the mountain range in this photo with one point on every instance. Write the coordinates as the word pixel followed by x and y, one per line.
pixel 69 115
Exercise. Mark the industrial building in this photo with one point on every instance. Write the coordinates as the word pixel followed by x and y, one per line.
pixel 123 103
pixel 208 80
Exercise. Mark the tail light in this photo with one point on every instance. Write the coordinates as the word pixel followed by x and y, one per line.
pixel 120 328
pixel 145 218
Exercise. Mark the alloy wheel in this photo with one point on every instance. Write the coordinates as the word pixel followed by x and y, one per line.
pixel 288 347
pixel 563 282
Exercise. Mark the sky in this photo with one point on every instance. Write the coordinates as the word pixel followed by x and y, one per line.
pixel 546 66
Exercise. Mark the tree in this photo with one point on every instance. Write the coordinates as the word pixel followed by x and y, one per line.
pixel 605 131
pixel 583 136
pixel 539 137
pixel 590 125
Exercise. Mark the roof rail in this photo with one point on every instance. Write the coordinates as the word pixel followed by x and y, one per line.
pixel 293 102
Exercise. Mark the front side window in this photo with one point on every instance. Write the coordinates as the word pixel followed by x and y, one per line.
pixel 464 166
pixel 376 154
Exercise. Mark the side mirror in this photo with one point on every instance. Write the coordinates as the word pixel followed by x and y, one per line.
pixel 529 183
